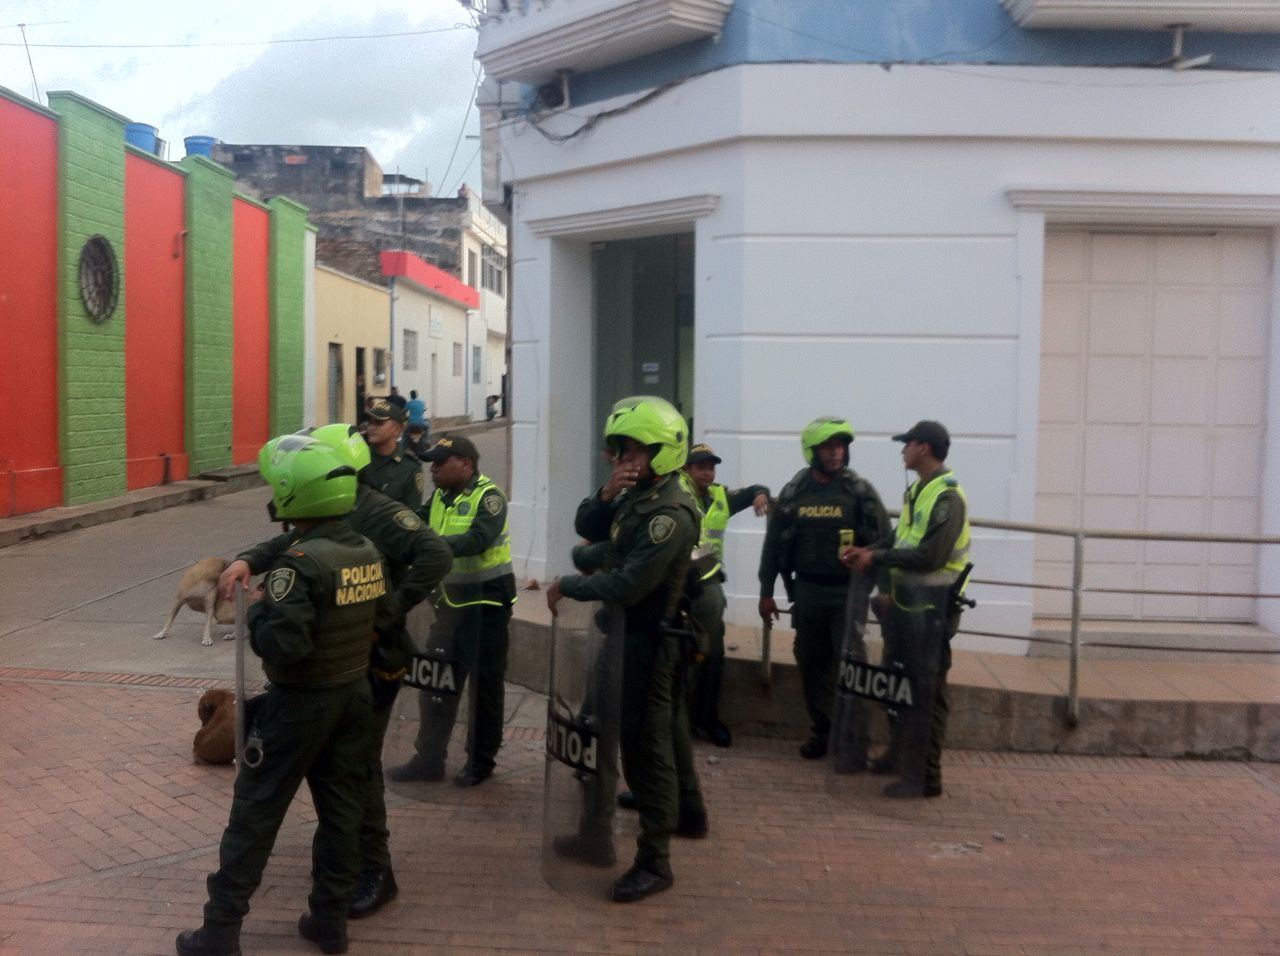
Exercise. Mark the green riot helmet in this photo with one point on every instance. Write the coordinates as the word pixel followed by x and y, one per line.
pixel 655 423
pixel 308 478
pixel 345 439
pixel 822 430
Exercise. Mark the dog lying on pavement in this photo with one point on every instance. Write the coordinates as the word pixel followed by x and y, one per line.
pixel 216 739
pixel 198 590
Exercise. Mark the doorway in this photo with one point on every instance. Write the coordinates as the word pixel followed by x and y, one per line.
pixel 642 309
pixel 362 387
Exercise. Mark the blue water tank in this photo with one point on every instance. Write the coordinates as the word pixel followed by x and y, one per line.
pixel 142 136
pixel 200 146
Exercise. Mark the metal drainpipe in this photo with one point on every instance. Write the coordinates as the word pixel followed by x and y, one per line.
pixel 1073 678
pixel 391 346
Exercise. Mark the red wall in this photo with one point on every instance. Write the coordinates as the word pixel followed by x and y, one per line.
pixel 250 409
pixel 30 473
pixel 155 364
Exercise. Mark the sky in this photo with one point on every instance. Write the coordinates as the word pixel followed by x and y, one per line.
pixel 228 69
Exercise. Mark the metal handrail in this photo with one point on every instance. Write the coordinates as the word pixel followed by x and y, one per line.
pixel 1079 536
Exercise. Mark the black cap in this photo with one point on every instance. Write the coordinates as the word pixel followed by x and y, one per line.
pixel 932 434
pixel 382 409
pixel 701 453
pixel 448 446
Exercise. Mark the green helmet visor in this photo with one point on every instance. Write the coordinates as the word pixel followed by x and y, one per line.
pixel 346 440
pixel 653 422
pixel 308 478
pixel 821 430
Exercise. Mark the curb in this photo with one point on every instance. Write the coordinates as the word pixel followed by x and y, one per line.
pixel 143 501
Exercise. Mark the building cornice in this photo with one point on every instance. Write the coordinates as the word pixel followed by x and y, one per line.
pixel 1062 204
pixel 649 218
pixel 1248 16
pixel 533 47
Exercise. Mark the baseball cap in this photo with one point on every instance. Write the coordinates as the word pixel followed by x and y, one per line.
pixel 447 446
pixel 382 409
pixel 701 452
pixel 932 434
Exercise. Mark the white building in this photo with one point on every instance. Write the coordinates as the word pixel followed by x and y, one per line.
pixel 434 321
pixel 1036 225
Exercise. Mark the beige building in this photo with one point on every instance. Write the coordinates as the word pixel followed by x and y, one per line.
pixel 351 332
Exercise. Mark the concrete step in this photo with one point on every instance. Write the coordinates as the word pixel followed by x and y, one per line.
pixel 1183 641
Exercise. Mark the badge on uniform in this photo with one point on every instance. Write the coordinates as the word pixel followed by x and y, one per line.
pixel 492 503
pixel 419 481
pixel 280 583
pixel 660 528
pixel 464 508
pixel 408 520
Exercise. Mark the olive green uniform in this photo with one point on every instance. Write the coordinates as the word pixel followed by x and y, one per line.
pixel 707 610
pixel 417 559
pixel 641 543
pixel 472 627
pixel 398 475
pixel 312 630
pixel 802 542
pixel 946 523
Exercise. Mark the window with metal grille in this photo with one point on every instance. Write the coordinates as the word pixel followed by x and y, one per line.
pixel 410 350
pixel 457 359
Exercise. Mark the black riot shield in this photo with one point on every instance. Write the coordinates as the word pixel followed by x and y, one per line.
pixel 882 718
pixel 448 720
pixel 584 704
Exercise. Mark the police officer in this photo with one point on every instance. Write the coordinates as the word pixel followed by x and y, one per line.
pixel 718 505
pixel 393 470
pixel 930 547
pixel 312 624
pixel 473 613
pixel 417 560
pixel 643 526
pixel 825 507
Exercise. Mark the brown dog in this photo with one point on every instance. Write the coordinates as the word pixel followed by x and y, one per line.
pixel 198 590
pixel 216 740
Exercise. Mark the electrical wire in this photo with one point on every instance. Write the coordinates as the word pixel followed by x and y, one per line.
pixel 462 175
pixel 471 101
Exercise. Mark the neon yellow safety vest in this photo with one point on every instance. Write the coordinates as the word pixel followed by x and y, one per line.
pixel 462 587
pixel 715 518
pixel 917 507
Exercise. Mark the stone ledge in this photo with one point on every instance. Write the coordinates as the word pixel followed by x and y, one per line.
pixel 983 718
pixel 143 501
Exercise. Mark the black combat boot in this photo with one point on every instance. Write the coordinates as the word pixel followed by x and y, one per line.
pixel 471 776
pixel 693 823
pixel 330 937
pixel 815 748
pixel 374 889
pixel 209 941
pixel 639 882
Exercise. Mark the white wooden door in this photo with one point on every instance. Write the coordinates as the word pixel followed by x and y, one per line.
pixel 1152 415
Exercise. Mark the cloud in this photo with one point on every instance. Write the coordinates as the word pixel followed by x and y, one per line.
pixel 404 98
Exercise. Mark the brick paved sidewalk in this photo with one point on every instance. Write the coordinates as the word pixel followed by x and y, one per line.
pixel 107 831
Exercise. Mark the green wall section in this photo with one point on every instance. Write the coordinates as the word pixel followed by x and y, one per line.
pixel 210 329
pixel 288 313
pixel 91 387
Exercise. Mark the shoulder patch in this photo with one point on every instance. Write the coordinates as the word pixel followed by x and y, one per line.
pixel 408 520
pixel 280 583
pixel 492 502
pixel 940 513
pixel 419 481
pixel 660 528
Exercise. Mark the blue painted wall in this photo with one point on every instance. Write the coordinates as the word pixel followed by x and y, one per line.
pixel 911 31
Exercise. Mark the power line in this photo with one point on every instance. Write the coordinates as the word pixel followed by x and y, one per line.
pixel 238 43
pixel 456 143
pixel 35 87
pixel 463 174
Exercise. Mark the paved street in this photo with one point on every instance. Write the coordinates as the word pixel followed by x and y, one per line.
pixel 107 828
